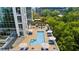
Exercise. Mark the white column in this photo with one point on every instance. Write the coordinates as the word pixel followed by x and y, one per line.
pixel 24 20
pixel 16 22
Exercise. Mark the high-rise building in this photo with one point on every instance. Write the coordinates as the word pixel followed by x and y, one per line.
pixel 14 19
pixel 7 23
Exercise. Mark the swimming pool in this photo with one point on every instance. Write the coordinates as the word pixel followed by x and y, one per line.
pixel 39 39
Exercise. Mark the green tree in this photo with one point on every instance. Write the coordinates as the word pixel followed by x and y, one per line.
pixel 71 16
pixel 67 43
pixel 55 13
pixel 36 15
pixel 65 28
pixel 46 12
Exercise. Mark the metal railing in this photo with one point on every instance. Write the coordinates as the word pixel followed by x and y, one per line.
pixel 9 41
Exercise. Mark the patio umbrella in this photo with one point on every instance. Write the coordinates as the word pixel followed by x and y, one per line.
pixel 49 31
pixel 45 45
pixel 52 38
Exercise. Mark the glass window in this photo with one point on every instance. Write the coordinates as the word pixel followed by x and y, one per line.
pixel 6 21
pixel 28 11
pixel 19 19
pixel 18 10
pixel 20 26
pixel 21 33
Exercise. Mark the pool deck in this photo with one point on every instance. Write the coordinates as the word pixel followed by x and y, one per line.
pixel 36 47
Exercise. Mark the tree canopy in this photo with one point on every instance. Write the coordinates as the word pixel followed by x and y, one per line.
pixel 65 28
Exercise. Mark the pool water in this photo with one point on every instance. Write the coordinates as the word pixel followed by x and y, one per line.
pixel 40 38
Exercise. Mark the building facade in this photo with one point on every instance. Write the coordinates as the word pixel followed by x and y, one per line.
pixel 14 19
pixel 7 23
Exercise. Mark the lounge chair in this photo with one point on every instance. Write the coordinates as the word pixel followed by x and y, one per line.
pixel 26 48
pixel 42 48
pixel 21 48
pixel 51 42
pixel 46 49
pixel 49 35
pixel 29 33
